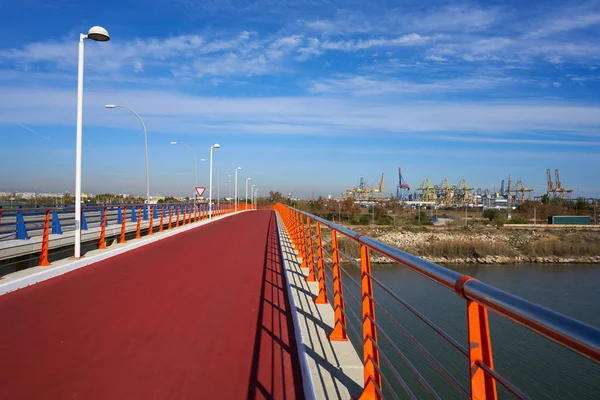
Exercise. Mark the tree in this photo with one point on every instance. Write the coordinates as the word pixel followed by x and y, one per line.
pixel 490 214
pixel 68 199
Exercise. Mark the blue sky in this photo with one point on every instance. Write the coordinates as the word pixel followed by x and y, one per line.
pixel 305 95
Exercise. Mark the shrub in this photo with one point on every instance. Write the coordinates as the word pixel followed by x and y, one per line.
pixel 490 214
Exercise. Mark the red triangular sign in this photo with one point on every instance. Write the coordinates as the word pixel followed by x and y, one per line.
pixel 200 190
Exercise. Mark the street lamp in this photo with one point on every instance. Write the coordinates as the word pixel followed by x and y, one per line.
pixel 195 174
pixel 145 145
pixel 252 194
pixel 247 179
pixel 214 146
pixel 235 202
pixel 255 194
pixel 98 34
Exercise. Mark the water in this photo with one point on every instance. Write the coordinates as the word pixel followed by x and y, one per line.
pixel 535 365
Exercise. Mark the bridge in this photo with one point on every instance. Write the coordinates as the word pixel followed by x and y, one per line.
pixel 246 304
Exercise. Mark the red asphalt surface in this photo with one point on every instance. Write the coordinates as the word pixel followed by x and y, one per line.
pixel 200 315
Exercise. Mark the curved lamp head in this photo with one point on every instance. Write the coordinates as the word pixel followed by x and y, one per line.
pixel 203 159
pixel 110 106
pixel 216 146
pixel 99 34
pixel 173 142
pixel 249 179
pixel 238 168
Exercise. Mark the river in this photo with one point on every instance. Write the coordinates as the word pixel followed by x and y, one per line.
pixel 537 366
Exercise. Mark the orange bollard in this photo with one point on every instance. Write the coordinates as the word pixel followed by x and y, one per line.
pixel 150 233
pixel 170 217
pixel 102 242
pixel 372 377
pixel 177 221
pixel 322 297
pixel 139 223
pixel 339 330
pixel 44 253
pixel 162 214
pixel 195 212
pixel 123 225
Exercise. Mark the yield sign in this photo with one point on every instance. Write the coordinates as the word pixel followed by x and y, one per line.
pixel 200 190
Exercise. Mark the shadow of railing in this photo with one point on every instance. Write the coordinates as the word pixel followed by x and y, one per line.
pixel 275 372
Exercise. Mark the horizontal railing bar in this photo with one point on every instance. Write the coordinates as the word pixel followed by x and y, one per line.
pixel 396 374
pixel 577 336
pixel 503 381
pixel 423 318
pixel 409 364
pixel 423 350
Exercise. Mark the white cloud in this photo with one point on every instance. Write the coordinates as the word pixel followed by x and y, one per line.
pixel 555 26
pixel 371 85
pixel 175 112
pixel 354 45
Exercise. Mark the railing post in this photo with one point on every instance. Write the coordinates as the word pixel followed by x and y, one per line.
pixel 119 215
pixel 101 243
pixel 184 214
pixel 310 253
pixel 177 221
pixel 83 221
pixel 170 217
pixel 303 252
pixel 123 225
pixel 196 212
pixel 322 297
pixel 372 387
pixel 153 214
pixel 162 215
pixel 146 212
pixel 339 329
pixel 139 222
pixel 483 386
pixel 44 253
pixel 56 223
pixel 189 214
pixel 133 214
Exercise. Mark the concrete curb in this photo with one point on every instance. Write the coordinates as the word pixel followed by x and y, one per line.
pixel 307 382
pixel 51 272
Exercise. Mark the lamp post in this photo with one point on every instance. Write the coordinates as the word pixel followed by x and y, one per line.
pixel 214 146
pixel 98 34
pixel 145 145
pixel 252 195
pixel 195 174
pixel 235 202
pixel 247 179
pixel 255 194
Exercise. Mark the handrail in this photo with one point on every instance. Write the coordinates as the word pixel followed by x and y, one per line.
pixel 576 336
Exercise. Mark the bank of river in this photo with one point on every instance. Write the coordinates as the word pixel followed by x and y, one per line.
pixel 487 245
pixel 539 367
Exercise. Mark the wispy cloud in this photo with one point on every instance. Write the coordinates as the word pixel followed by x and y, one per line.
pixel 303 115
pixel 373 85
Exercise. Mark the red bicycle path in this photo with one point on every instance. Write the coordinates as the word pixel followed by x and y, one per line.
pixel 203 314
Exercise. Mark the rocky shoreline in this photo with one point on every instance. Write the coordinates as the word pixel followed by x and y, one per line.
pixel 495 260
pixel 491 246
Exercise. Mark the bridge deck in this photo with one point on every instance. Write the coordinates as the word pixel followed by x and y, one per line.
pixel 203 314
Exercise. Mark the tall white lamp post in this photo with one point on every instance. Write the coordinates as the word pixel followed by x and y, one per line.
pixel 145 145
pixel 252 194
pixel 214 146
pixel 247 180
pixel 236 191
pixel 255 194
pixel 98 34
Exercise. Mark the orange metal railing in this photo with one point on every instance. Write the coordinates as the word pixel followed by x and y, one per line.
pixel 305 232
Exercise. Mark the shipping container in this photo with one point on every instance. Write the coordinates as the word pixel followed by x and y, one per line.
pixel 569 220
